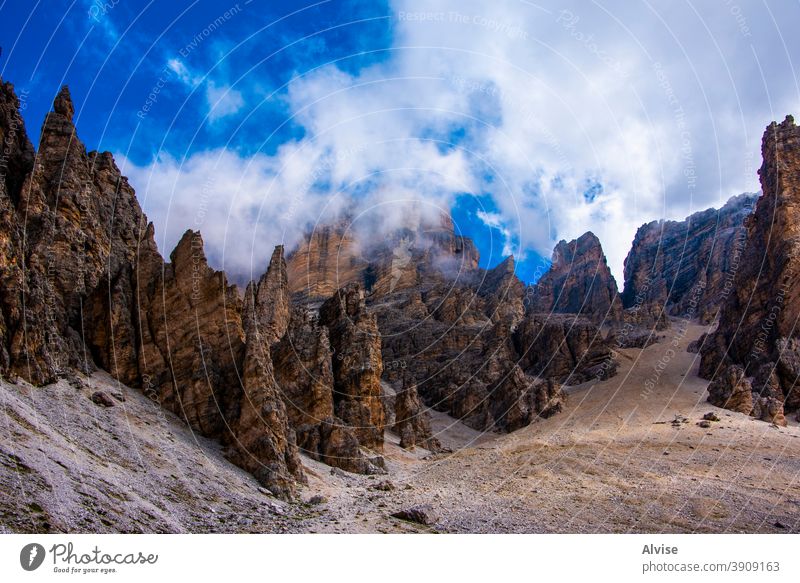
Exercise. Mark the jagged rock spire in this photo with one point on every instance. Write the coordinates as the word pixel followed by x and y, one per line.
pixel 63 103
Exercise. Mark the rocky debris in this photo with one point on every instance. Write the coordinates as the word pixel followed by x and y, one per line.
pixel 412 421
pixel 421 514
pixel 134 470
pixel 357 365
pixel 688 266
pixel 757 334
pixel 317 499
pixel 710 416
pixel 383 486
pixel 732 390
pixel 759 396
pixel 579 282
pixel 102 399
pixel 696 345
pixel 679 420
pixel 651 316
pixel 705 424
pixel 633 337
pixel 639 327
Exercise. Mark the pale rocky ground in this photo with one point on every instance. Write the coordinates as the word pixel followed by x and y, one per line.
pixel 612 461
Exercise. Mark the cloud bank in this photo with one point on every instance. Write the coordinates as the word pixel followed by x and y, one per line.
pixel 569 117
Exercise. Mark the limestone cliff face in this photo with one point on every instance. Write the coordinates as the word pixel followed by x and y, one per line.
pixel 758 322
pixel 688 266
pixel 326 260
pixel 15 165
pixel 567 348
pixel 194 321
pixel 74 222
pixel 455 341
pixel 357 364
pixel 264 442
pixel 503 292
pixel 333 256
pixel 272 303
pixel 579 282
pixel 303 366
pixel 83 285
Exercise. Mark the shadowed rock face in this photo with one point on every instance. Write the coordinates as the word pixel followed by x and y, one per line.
pixel 579 282
pixel 468 347
pixel 412 421
pixel 688 266
pixel 758 322
pixel 194 320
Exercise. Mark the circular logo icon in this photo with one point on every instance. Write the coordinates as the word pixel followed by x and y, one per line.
pixel 31 556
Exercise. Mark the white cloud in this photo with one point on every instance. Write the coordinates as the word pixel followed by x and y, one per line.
pixel 495 221
pixel 661 104
pixel 223 101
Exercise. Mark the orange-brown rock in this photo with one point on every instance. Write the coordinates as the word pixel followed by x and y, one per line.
pixel 454 340
pixel 272 300
pixel 327 259
pixel 76 222
pixel 83 285
pixel 564 347
pixel 357 364
pixel 303 367
pixel 758 321
pixel 263 443
pixel 732 390
pixel 194 322
pixel 332 256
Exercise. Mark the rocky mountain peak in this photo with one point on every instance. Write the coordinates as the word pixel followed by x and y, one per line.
pixel 62 104
pixel 688 266
pixel 579 282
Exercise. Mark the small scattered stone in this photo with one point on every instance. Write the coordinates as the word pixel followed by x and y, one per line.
pixel 383 485
pixel 704 424
pixel 318 499
pixel 422 514
pixel 102 399
pixel 710 416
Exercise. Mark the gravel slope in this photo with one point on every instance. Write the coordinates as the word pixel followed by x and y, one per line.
pixel 613 461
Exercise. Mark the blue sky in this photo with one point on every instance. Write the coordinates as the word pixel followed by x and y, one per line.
pixel 531 123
